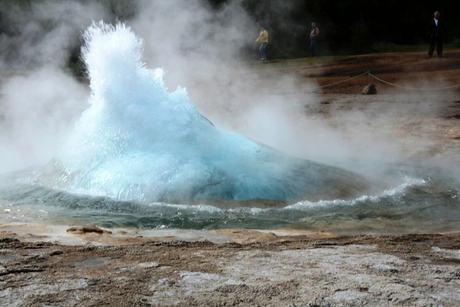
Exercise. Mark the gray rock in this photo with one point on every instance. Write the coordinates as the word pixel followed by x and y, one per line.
pixel 369 89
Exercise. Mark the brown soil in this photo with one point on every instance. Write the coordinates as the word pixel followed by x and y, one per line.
pixel 404 71
pixel 255 268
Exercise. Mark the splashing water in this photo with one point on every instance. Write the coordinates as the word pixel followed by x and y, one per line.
pixel 141 156
pixel 137 141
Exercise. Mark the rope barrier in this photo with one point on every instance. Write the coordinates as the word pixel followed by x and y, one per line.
pixel 392 84
pixel 368 73
pixel 413 88
pixel 320 87
pixel 343 81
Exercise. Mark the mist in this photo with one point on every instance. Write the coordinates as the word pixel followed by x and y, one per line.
pixel 39 99
pixel 201 50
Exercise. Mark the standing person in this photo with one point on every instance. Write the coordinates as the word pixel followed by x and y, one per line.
pixel 314 37
pixel 435 29
pixel 263 41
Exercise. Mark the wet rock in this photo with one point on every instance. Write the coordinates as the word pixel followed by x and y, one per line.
pixel 55 252
pixel 87 229
pixel 385 268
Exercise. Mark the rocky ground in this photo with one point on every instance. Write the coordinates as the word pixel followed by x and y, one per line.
pixel 42 266
pixel 275 270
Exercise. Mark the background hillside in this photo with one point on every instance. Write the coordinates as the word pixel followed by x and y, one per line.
pixel 347 27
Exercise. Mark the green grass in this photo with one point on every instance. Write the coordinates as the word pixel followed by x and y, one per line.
pixel 382 48
pixel 301 61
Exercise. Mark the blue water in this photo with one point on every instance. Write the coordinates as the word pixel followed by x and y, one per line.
pixel 424 204
pixel 137 141
pixel 143 156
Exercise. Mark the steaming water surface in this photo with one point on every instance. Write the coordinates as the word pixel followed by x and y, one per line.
pixel 425 202
pixel 141 156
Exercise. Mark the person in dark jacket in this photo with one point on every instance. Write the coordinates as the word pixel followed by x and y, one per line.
pixel 314 36
pixel 435 29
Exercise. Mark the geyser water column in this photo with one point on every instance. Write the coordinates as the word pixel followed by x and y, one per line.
pixel 137 141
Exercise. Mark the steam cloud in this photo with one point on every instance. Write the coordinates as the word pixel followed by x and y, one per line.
pixel 199 48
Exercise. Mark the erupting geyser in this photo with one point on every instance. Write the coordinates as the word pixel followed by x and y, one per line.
pixel 137 141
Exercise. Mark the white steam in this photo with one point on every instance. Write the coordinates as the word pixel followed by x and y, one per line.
pixel 37 113
pixel 200 49
pixel 39 100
